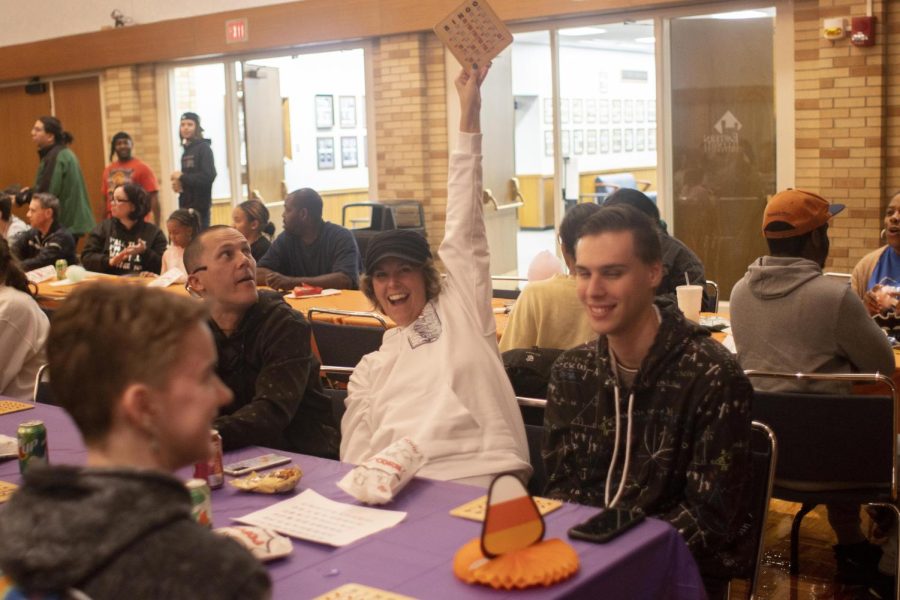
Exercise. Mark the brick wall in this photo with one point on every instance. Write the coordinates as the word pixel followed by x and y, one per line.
pixel 411 124
pixel 844 145
pixel 129 96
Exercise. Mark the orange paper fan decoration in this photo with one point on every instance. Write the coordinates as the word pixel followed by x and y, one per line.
pixel 544 563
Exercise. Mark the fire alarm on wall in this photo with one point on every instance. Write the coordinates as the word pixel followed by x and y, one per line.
pixel 862 31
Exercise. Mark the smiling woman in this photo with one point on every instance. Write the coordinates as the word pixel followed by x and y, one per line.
pixel 881 263
pixel 437 377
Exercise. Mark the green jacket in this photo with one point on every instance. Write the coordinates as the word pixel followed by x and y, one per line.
pixel 67 184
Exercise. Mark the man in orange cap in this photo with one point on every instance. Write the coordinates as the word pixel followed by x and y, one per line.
pixel 787 317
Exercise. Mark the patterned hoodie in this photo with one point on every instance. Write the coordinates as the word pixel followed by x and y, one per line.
pixel 689 448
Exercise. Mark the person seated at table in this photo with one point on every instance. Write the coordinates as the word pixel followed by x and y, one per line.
pixel 183 225
pixel 143 396
pixel 125 243
pixel 265 354
pixel 47 241
pixel 23 329
pixel 654 415
pixel 786 316
pixel 310 250
pixel 677 259
pixel 437 377
pixel 880 263
pixel 251 218
pixel 11 226
pixel 547 313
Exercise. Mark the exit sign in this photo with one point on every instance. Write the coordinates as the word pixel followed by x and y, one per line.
pixel 235 31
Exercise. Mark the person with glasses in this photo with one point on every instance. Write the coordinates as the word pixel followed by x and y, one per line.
pixel 265 354
pixel 125 244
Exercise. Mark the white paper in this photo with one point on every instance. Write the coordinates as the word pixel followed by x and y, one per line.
pixel 327 292
pixel 9 447
pixel 168 278
pixel 728 342
pixel 311 516
pixel 41 275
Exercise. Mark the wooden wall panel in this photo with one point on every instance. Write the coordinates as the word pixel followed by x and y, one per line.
pixel 18 154
pixel 77 103
pixel 269 27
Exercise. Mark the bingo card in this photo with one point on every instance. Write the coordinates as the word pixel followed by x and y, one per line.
pixel 355 591
pixel 474 510
pixel 473 33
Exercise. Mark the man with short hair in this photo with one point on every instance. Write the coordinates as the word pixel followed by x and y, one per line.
pixel 310 251
pixel 654 415
pixel 265 355
pixel 127 169
pixel 194 181
pixel 47 241
pixel 786 316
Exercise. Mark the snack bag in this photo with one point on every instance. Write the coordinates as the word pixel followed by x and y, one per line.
pixel 306 290
pixel 378 479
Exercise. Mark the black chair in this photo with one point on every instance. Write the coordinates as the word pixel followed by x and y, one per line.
pixel 344 345
pixel 533 415
pixel 505 293
pixel 711 292
pixel 833 448
pixel 749 551
pixel 338 407
pixel 42 392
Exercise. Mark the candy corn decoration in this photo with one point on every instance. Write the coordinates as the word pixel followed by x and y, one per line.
pixel 511 552
pixel 512 521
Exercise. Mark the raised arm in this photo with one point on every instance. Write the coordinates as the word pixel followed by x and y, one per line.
pixel 464 250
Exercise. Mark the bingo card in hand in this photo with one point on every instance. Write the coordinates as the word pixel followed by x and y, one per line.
pixel 473 33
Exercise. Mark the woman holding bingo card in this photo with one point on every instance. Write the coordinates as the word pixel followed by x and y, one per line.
pixel 135 369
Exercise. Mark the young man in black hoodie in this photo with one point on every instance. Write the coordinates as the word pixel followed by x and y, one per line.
pixel 198 169
pixel 265 355
pixel 654 415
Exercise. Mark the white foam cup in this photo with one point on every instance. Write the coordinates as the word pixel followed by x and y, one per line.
pixel 690 297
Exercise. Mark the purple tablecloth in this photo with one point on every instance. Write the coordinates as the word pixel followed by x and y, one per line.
pixel 415 557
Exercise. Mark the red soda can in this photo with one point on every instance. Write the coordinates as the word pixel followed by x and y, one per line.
pixel 211 469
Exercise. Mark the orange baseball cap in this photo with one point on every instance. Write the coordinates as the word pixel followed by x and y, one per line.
pixel 794 212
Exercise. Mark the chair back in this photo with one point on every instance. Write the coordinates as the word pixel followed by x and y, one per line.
pixel 763 458
pixel 712 295
pixel 338 407
pixel 342 345
pixel 42 392
pixel 535 436
pixel 848 440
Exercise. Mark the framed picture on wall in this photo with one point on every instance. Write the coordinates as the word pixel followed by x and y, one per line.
pixel 349 152
pixel 577 111
pixel 548 143
pixel 651 138
pixel 638 111
pixel 365 150
pixel 325 153
pixel 324 111
pixel 590 141
pixel 651 111
pixel 616 111
pixel 564 111
pixel 616 140
pixel 548 111
pixel 629 111
pixel 603 82
pixel 640 136
pixel 578 141
pixel 590 110
pixel 604 141
pixel 603 112
pixel 566 143
pixel 629 140
pixel 347 107
pixel 362 112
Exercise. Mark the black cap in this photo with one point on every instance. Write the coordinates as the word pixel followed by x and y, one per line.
pixel 192 116
pixel 404 244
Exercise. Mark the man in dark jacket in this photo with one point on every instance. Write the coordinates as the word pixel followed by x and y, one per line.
pixel 198 169
pixel 47 241
pixel 680 396
pixel 264 350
